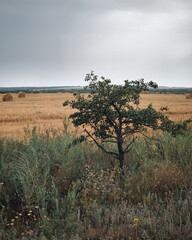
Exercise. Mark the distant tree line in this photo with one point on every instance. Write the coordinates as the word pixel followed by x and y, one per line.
pixel 79 89
pixel 43 90
pixel 171 90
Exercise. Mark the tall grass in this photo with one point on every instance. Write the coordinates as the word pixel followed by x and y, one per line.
pixel 54 187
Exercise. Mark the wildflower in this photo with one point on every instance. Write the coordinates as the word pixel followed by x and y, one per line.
pixel 86 167
pixel 136 220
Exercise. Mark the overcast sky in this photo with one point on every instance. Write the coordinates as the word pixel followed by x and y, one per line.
pixel 56 42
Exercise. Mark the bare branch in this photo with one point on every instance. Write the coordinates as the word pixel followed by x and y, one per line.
pixel 116 108
pixel 127 147
pixel 115 155
pixel 114 124
pixel 108 141
pixel 154 139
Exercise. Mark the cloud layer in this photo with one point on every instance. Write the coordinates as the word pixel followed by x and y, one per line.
pixel 55 42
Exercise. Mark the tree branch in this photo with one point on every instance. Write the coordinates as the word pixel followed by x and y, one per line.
pixel 127 148
pixel 108 141
pixel 116 108
pixel 150 138
pixel 114 124
pixel 115 155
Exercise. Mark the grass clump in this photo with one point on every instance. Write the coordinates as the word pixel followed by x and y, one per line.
pixel 54 187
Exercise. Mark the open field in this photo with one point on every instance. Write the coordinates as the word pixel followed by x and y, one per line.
pixel 56 187
pixel 46 111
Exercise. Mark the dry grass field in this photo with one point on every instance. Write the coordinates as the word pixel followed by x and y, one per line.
pixel 46 111
pixel 61 188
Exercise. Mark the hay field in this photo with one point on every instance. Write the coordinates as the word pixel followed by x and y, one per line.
pixel 45 111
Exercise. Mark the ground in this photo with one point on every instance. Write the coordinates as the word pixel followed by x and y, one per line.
pixel 46 111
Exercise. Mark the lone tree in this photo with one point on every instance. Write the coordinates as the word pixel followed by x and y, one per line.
pixel 112 114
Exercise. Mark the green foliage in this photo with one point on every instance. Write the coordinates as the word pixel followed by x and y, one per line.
pixel 113 114
pixel 49 190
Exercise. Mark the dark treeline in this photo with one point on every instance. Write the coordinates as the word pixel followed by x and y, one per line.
pixel 64 89
pixel 171 90
pixel 79 89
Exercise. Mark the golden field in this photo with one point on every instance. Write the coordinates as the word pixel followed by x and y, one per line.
pixel 45 111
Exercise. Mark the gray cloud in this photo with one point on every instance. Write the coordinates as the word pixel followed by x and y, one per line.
pixel 56 42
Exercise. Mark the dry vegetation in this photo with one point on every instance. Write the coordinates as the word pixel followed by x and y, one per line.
pixel 7 97
pixel 21 95
pixel 54 187
pixel 144 92
pixel 46 111
pixel 189 96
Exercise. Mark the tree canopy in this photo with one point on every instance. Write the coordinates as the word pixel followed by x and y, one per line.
pixel 111 114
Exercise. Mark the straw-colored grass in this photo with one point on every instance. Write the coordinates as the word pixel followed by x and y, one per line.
pixel 46 110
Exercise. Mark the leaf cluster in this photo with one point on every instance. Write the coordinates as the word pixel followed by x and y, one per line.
pixel 112 112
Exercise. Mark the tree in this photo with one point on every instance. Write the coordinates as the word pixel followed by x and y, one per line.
pixel 111 114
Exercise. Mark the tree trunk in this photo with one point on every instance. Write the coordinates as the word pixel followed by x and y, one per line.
pixel 121 155
pixel 121 162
